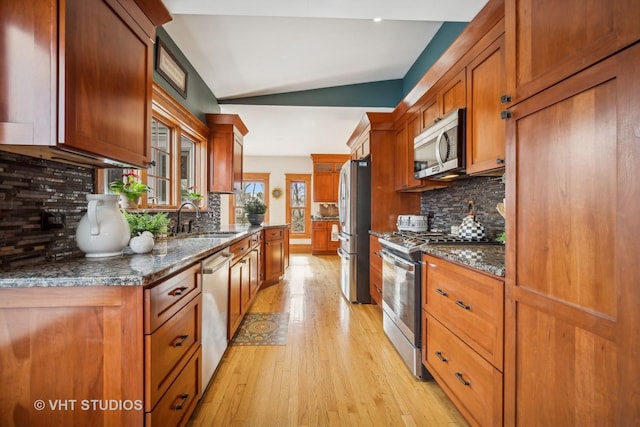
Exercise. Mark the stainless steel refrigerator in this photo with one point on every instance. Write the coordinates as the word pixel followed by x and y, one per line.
pixel 354 210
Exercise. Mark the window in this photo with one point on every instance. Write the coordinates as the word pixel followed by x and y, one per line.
pixel 253 184
pixel 178 155
pixel 298 209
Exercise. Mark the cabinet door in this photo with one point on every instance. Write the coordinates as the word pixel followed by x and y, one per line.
pixel 549 40
pixel 572 260
pixel 485 128
pixel 430 113
pixel 400 151
pixel 454 94
pixel 254 271
pixel 319 237
pixel 107 61
pixel 323 190
pixel 332 245
pixel 245 283
pixel 28 65
pixel 274 260
pixel 238 149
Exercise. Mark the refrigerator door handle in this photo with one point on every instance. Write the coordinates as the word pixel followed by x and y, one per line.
pixel 342 254
pixel 343 238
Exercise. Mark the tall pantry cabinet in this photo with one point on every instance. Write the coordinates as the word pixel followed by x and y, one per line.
pixel 572 324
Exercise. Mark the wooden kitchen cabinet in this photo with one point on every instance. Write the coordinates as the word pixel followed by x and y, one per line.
pixel 379 130
pixel 321 242
pixel 112 343
pixel 172 341
pixel 225 152
pixel 104 49
pixel 485 127
pixel 548 41
pixel 451 96
pixel 326 176
pixel 571 309
pixel 462 342
pixel 375 270
pixel 274 254
pixel 239 284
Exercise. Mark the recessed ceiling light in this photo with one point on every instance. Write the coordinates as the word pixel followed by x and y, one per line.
pixel 377 19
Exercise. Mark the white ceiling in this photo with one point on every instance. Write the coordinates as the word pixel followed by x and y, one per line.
pixel 255 47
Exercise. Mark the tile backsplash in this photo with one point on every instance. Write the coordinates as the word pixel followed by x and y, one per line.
pixel 31 186
pixel 449 205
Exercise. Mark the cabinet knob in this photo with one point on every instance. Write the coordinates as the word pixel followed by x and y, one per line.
pixel 183 400
pixel 499 161
pixel 505 99
pixel 506 114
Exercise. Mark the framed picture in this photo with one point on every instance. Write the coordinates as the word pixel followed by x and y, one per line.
pixel 170 69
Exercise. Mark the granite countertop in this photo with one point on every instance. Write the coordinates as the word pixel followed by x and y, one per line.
pixel 488 258
pixel 128 269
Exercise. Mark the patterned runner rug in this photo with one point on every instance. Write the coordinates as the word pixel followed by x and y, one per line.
pixel 262 329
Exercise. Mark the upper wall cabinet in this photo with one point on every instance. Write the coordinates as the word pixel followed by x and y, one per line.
pixel 451 96
pixel 81 81
pixel 326 175
pixel 485 127
pixel 569 37
pixel 226 134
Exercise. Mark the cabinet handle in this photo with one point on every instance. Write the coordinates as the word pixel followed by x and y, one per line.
pixel 506 114
pixel 441 292
pixel 441 357
pixel 180 340
pixel 461 379
pixel 242 261
pixel 183 400
pixel 151 163
pixel 505 99
pixel 499 161
pixel 461 304
pixel 178 291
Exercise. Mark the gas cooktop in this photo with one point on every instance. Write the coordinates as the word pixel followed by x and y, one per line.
pixel 408 241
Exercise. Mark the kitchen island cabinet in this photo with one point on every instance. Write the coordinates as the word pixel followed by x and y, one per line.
pixel 69 80
pixel 275 252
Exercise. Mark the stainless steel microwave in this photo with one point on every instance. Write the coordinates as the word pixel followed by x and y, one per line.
pixel 439 151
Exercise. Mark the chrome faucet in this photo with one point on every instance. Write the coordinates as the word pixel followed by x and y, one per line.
pixel 182 205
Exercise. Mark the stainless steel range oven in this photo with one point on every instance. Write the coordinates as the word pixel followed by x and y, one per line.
pixel 402 291
pixel 401 294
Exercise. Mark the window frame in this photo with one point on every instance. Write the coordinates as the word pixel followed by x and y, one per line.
pixel 289 179
pixel 262 177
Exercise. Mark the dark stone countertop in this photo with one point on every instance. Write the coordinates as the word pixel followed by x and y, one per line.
pixel 128 269
pixel 488 258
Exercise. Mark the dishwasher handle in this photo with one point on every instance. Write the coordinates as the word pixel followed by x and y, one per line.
pixel 218 262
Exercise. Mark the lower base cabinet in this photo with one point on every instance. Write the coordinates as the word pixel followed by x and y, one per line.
pixel 322 242
pixel 375 270
pixel 274 255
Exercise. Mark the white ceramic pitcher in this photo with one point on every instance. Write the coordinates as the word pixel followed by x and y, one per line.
pixel 103 231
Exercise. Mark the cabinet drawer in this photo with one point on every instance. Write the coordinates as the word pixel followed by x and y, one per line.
pixel 167 297
pixel 470 381
pixel 255 239
pixel 177 405
pixel 167 349
pixel 240 249
pixel 273 234
pixel 469 303
pixel 319 225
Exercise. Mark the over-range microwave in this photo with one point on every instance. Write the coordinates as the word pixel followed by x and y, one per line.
pixel 439 151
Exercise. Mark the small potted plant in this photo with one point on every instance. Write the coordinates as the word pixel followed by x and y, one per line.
pixel 129 188
pixel 191 193
pixel 139 222
pixel 255 208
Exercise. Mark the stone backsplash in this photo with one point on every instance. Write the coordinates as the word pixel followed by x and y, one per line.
pixel 31 187
pixel 449 205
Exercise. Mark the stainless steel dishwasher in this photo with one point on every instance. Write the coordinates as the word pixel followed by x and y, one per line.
pixel 215 312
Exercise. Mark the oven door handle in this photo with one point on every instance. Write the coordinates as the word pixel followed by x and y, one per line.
pixel 396 260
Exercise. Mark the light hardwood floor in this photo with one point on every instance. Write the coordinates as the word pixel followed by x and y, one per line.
pixel 337 369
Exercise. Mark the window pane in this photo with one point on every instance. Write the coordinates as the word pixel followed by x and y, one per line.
pixel 297 194
pixel 159 174
pixel 249 189
pixel 187 167
pixel 298 221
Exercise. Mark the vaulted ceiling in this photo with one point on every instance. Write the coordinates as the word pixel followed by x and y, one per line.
pixel 252 47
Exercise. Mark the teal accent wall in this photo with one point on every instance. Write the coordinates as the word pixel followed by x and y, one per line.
pixel 385 93
pixel 436 47
pixel 200 100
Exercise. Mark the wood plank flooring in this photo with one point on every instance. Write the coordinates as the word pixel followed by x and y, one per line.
pixel 337 369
